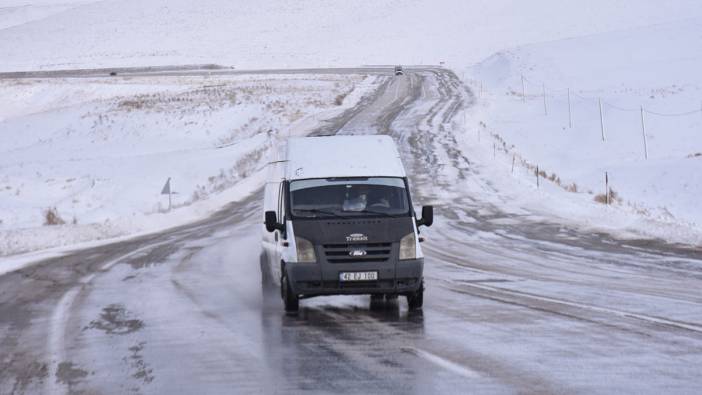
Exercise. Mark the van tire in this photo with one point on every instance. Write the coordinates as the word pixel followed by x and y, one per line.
pixel 376 297
pixel 415 300
pixel 290 300
pixel 376 301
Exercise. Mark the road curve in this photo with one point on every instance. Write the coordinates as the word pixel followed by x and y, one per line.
pixel 514 304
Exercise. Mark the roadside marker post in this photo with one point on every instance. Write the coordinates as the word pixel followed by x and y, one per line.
pixel 607 188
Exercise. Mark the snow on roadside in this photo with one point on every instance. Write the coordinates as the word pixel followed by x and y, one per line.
pixel 100 150
pixel 656 67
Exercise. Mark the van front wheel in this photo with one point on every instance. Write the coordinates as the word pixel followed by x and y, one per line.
pixel 290 300
pixel 415 300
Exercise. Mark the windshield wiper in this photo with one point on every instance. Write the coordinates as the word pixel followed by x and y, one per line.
pixel 366 211
pixel 321 211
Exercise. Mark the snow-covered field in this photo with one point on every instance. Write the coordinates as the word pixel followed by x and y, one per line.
pixel 655 67
pixel 100 150
pixel 314 33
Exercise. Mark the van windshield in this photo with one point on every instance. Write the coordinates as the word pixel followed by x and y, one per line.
pixel 349 197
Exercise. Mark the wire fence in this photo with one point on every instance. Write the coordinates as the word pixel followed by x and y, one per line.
pixel 553 93
pixel 568 91
pixel 532 90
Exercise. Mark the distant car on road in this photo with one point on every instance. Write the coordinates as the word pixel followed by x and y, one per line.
pixel 399 71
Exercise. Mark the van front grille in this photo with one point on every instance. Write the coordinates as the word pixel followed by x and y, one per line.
pixel 343 253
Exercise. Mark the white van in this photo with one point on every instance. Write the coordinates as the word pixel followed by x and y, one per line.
pixel 338 219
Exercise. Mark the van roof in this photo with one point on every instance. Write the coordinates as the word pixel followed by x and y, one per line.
pixel 342 156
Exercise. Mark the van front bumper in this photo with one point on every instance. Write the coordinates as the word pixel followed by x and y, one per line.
pixel 394 277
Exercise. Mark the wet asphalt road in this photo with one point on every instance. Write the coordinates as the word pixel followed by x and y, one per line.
pixel 514 304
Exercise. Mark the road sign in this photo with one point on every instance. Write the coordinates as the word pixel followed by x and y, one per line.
pixel 166 190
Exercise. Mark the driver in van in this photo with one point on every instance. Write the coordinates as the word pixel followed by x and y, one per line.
pixel 356 198
pixel 361 197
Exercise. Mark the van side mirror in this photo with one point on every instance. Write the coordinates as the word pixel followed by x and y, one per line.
pixel 271 222
pixel 427 216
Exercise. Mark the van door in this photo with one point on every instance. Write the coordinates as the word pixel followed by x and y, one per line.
pixel 270 203
pixel 278 235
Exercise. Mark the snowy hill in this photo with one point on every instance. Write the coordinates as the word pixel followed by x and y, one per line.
pixel 281 33
pixel 655 67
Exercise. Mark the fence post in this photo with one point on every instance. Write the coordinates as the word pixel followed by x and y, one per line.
pixel 523 90
pixel 607 188
pixel 643 131
pixel 494 150
pixel 513 163
pixel 570 112
pixel 480 95
pixel 599 102
pixel 537 176
pixel 544 90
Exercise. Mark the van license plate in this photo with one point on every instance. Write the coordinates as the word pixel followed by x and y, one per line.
pixel 358 276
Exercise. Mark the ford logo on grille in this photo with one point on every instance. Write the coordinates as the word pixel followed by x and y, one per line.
pixel 357 237
pixel 358 253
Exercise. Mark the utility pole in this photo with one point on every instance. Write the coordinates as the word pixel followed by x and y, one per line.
pixel 570 112
pixel 643 132
pixel 544 91
pixel 599 102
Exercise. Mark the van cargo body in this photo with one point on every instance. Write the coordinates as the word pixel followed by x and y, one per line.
pixel 338 219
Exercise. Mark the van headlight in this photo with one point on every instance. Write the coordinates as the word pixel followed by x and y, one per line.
pixel 408 247
pixel 305 250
